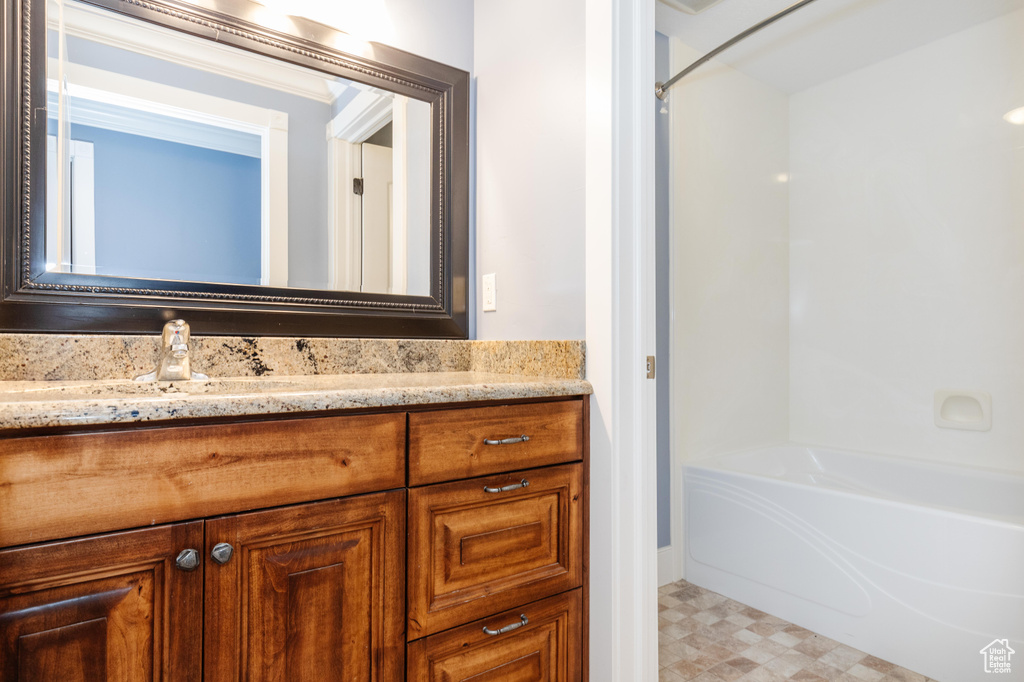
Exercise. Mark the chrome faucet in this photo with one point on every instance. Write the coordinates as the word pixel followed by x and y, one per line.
pixel 175 364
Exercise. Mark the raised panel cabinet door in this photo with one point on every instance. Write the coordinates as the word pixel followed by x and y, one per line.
pixel 539 642
pixel 308 593
pixel 487 544
pixel 111 607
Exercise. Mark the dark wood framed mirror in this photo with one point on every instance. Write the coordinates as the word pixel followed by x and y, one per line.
pixel 251 172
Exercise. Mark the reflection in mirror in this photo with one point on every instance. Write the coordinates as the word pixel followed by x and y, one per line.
pixel 172 157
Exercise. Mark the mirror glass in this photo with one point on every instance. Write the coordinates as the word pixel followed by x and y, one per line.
pixel 172 157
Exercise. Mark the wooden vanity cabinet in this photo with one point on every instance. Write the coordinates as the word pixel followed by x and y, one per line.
pixel 316 557
pixel 497 561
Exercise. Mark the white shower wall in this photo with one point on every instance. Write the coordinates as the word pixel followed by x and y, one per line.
pixel 827 310
pixel 907 249
pixel 730 261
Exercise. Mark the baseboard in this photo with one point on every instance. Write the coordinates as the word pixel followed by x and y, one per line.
pixel 666 566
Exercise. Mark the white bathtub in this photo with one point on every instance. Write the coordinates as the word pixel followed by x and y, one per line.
pixel 916 563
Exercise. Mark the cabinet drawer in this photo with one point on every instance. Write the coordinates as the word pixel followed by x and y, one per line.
pixel 488 544
pixel 58 486
pixel 546 648
pixel 453 444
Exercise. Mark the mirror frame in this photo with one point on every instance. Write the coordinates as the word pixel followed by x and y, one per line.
pixel 34 300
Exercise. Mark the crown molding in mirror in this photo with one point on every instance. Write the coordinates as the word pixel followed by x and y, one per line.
pixel 36 300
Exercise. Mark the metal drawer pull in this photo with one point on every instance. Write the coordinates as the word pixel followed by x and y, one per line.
pixel 515 486
pixel 507 441
pixel 523 620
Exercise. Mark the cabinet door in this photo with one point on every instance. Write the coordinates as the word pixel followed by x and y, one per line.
pixel 539 642
pixel 312 592
pixel 112 607
pixel 487 544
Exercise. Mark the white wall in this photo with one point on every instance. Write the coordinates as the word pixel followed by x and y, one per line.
pixel 529 65
pixel 730 261
pixel 907 256
pixel 441 30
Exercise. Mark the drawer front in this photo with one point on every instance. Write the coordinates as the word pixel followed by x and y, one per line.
pixel 60 486
pixel 480 546
pixel 452 444
pixel 546 646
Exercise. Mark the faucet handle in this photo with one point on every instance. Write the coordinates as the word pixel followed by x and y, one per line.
pixel 176 333
pixel 174 362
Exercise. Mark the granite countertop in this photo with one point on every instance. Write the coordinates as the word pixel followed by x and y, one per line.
pixel 39 404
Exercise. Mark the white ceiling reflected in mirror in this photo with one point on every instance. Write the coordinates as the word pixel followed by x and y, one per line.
pixel 172 157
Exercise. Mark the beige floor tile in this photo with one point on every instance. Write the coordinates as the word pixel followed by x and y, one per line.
pixel 903 675
pixel 747 636
pixel 726 673
pixel 762 675
pixel 798 631
pixel 824 671
pixel 877 664
pixel 675 630
pixel 843 657
pixel 742 663
pixel 759 656
pixel 713 655
pixel 807 676
pixel 705 637
pixel 667 656
pixel 723 609
pixel 866 674
pixel 789 663
pixel 763 629
pixel 726 627
pixel 686 669
pixel 816 646
pixel 785 639
pixel 740 619
pixel 706 617
pixel 707 676
pixel 735 645
pixel 672 615
pixel 666 675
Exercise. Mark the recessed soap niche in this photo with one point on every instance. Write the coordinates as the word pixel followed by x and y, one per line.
pixel 967 410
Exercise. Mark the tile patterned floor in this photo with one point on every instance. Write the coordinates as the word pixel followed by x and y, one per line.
pixel 706 637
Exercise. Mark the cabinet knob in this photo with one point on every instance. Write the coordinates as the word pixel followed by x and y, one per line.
pixel 222 552
pixel 188 560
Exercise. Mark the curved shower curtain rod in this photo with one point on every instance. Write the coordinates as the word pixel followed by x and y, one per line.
pixel 661 89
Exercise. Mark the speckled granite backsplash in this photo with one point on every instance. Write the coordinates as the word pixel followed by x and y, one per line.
pixel 65 357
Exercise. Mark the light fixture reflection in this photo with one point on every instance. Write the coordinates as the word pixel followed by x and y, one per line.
pixel 1015 117
pixel 366 20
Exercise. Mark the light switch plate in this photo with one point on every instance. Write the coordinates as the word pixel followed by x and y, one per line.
pixel 490 294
